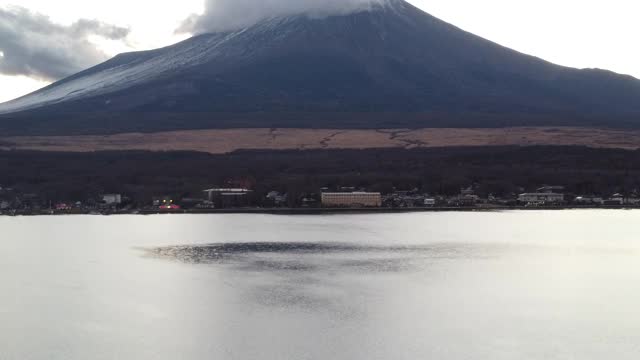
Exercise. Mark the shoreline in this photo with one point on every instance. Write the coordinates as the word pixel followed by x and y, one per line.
pixel 311 211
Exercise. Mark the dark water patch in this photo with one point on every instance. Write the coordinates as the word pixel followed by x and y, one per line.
pixel 214 253
pixel 276 265
pixel 292 256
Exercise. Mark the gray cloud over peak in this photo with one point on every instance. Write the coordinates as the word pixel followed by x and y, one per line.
pixel 222 15
pixel 32 45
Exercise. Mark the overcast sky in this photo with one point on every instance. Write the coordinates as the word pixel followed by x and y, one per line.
pixel 43 40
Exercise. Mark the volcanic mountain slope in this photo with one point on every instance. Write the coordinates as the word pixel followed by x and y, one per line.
pixel 392 66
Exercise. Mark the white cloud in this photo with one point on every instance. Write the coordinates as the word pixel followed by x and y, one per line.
pixel 221 15
pixel 34 46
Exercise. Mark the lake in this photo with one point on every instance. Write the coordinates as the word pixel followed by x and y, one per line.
pixel 485 285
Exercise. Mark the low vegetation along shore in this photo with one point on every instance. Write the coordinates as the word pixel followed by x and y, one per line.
pixel 222 141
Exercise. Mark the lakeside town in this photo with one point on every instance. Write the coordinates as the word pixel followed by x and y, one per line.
pixel 221 200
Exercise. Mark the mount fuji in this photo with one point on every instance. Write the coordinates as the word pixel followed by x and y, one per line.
pixel 389 66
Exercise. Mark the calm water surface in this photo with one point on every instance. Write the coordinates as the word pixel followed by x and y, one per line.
pixel 504 285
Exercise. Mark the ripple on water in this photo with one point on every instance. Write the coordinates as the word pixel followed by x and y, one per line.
pixel 304 256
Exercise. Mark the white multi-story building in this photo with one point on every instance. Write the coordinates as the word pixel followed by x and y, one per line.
pixel 429 202
pixel 112 199
pixel 589 200
pixel 541 198
pixel 352 199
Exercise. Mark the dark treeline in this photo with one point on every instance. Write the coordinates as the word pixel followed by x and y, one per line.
pixel 500 171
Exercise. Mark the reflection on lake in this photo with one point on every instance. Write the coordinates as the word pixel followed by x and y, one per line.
pixel 503 285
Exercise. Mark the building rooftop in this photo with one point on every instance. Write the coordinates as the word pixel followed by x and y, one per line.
pixel 227 190
pixel 351 193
